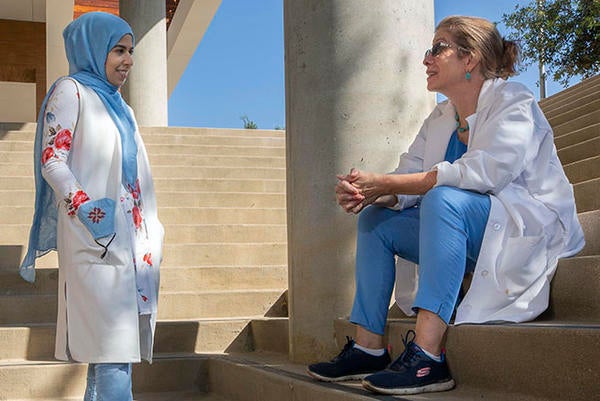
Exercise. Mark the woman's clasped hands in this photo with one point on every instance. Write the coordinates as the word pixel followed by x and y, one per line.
pixel 357 189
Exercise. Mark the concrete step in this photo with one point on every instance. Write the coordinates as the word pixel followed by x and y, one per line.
pixel 156 396
pixel 11 256
pixel 178 255
pixel 220 199
pixel 574 137
pixel 251 149
pixel 7 145
pixel 586 195
pixel 26 169
pixel 590 222
pixel 23 157
pixel 214 150
pixel 263 376
pixel 186 233
pixel 36 341
pixel 209 278
pixel 551 361
pixel 175 184
pixel 56 380
pixel 578 123
pixel 225 254
pixel 220 185
pixel 579 106
pixel 177 215
pixel 583 170
pixel 175 198
pixel 572 99
pixel 570 92
pixel 222 215
pixel 580 151
pixel 218 172
pixel 180 305
pixel 217 161
pixel 220 132
pixel 169 138
pixel 575 293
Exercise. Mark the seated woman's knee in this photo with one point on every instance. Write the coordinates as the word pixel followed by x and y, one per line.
pixel 370 217
pixel 438 197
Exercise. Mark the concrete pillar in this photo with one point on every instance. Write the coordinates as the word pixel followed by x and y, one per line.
pixel 146 87
pixel 59 14
pixel 355 97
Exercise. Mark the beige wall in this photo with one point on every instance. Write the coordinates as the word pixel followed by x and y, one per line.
pixel 17 102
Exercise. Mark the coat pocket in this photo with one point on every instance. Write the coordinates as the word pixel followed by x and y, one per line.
pixel 522 262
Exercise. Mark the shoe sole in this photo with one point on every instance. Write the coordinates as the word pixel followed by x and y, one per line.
pixel 430 388
pixel 337 379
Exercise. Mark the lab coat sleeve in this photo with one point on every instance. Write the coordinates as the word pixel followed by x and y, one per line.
pixel 501 137
pixel 61 114
pixel 411 162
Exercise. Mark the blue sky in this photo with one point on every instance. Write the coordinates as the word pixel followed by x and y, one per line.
pixel 238 68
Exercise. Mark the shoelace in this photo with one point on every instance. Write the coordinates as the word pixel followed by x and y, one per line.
pixel 406 358
pixel 346 350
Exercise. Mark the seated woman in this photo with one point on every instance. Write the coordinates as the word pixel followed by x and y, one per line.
pixel 480 190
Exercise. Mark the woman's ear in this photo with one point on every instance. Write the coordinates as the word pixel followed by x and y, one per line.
pixel 471 62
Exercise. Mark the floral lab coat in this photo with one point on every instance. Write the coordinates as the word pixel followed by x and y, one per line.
pixel 99 318
pixel 533 221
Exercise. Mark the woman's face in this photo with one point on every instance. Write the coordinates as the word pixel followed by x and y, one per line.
pixel 119 61
pixel 444 69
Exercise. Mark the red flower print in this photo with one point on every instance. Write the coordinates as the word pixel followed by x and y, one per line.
pixel 47 154
pixel 135 192
pixel 148 258
pixel 63 139
pixel 144 298
pixel 96 215
pixel 79 198
pixel 137 217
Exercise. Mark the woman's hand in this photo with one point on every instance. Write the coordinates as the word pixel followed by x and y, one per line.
pixel 348 197
pixel 358 189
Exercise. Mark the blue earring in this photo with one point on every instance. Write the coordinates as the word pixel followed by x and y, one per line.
pixel 468 76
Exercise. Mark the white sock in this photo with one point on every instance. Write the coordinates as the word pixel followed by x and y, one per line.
pixel 437 358
pixel 370 351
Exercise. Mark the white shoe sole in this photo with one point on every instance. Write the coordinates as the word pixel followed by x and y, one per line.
pixel 337 379
pixel 430 388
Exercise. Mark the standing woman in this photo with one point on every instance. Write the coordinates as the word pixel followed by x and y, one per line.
pixel 480 190
pixel 95 205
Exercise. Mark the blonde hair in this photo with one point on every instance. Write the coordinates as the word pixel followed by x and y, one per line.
pixel 498 57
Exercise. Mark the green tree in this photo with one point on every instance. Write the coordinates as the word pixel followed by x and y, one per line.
pixel 248 124
pixel 564 35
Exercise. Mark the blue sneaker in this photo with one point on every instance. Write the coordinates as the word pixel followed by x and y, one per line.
pixel 412 373
pixel 350 364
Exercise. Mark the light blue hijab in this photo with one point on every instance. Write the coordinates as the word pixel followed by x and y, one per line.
pixel 88 40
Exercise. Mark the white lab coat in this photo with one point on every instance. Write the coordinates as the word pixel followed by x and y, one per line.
pixel 98 319
pixel 533 221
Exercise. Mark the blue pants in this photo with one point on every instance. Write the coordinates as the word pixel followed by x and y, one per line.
pixel 108 382
pixel 443 235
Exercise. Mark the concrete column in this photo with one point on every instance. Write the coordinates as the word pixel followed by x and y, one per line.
pixel 146 87
pixel 355 97
pixel 59 14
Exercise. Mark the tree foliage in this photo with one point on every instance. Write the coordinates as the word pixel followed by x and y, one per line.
pixel 248 124
pixel 562 34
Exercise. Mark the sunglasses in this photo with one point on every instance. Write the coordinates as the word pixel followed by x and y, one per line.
pixel 440 47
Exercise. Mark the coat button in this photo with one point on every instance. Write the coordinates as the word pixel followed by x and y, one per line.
pixel 484 273
pixel 497 226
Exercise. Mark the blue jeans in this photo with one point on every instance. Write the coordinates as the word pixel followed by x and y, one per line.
pixel 108 382
pixel 443 235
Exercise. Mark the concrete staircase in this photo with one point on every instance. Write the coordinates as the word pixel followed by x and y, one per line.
pixel 224 277
pixel 223 329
